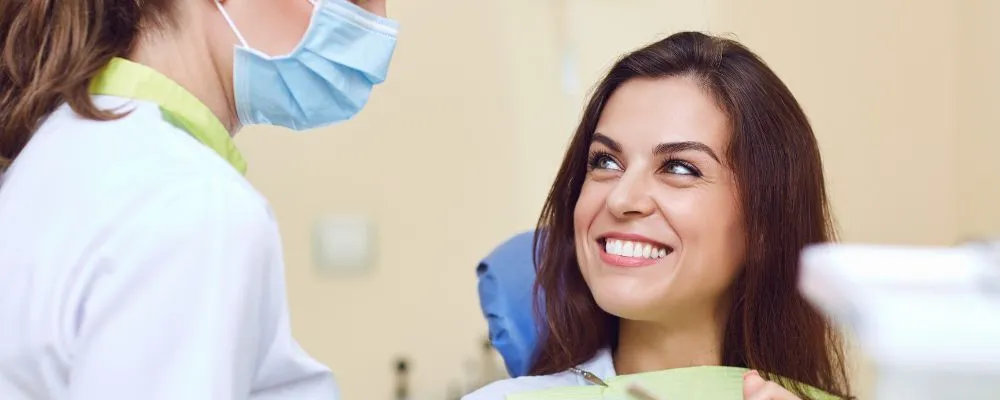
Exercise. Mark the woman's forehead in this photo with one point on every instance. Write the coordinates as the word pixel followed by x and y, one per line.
pixel 647 112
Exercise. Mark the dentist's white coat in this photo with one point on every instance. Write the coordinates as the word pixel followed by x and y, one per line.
pixel 136 263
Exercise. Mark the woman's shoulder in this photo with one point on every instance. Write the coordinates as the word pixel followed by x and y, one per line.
pixel 144 137
pixel 126 158
pixel 600 365
pixel 499 390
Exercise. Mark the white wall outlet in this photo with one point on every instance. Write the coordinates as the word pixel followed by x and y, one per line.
pixel 344 244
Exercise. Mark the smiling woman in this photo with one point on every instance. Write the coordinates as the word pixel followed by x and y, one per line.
pixel 674 227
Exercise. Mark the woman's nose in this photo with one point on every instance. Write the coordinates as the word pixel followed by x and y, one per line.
pixel 631 198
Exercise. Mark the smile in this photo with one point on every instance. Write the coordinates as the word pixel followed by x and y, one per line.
pixel 631 253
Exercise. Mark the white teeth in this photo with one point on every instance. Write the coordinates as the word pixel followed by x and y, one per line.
pixel 628 248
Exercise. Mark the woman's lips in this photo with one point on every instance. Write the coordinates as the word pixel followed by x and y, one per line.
pixel 626 262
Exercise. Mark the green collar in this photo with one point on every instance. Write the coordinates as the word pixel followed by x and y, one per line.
pixel 131 80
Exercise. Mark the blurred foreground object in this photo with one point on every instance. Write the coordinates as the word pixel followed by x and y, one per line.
pixel 928 318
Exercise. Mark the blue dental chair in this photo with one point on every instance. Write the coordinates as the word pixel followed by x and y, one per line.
pixel 506 280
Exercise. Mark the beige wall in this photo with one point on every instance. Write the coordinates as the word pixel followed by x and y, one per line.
pixel 878 80
pixel 457 150
pixel 979 119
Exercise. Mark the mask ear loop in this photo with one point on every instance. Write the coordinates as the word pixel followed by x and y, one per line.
pixel 232 25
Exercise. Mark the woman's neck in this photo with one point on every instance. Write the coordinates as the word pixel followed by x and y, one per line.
pixel 186 59
pixel 653 346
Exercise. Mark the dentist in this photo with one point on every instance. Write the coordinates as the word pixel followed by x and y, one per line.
pixel 136 261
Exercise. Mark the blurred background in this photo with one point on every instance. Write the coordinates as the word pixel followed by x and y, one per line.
pixel 455 153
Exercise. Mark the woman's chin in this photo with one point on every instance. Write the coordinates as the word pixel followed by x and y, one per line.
pixel 628 303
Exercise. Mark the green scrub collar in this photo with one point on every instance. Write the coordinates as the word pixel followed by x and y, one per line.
pixel 124 78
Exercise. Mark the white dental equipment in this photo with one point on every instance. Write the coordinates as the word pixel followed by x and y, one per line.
pixel 928 318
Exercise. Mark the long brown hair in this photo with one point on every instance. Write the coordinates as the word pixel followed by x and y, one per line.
pixel 52 49
pixel 779 177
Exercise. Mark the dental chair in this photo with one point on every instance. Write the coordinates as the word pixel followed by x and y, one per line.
pixel 506 280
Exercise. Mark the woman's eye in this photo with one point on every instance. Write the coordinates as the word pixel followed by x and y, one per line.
pixel 677 167
pixel 604 161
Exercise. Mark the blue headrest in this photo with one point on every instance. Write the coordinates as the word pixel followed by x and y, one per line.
pixel 506 278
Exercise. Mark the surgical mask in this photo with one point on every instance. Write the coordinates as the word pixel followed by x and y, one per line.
pixel 326 79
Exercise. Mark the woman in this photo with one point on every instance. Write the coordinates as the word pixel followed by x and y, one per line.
pixel 137 261
pixel 674 228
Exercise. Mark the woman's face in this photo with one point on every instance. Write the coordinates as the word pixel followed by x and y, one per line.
pixel 273 27
pixel 658 230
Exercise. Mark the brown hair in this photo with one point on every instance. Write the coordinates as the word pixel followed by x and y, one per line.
pixel 779 175
pixel 52 50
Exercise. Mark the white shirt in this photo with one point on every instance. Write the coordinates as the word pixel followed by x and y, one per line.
pixel 601 365
pixel 136 263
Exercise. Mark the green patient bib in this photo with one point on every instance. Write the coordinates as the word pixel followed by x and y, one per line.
pixel 695 383
pixel 124 78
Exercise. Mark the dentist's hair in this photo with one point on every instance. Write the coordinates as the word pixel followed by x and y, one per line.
pixel 782 197
pixel 52 49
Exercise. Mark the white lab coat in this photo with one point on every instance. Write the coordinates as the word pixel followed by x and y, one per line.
pixel 136 263
pixel 601 365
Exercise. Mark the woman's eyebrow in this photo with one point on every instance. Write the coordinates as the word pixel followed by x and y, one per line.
pixel 674 147
pixel 662 148
pixel 607 141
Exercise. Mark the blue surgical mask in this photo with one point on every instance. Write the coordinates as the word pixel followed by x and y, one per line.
pixel 326 79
